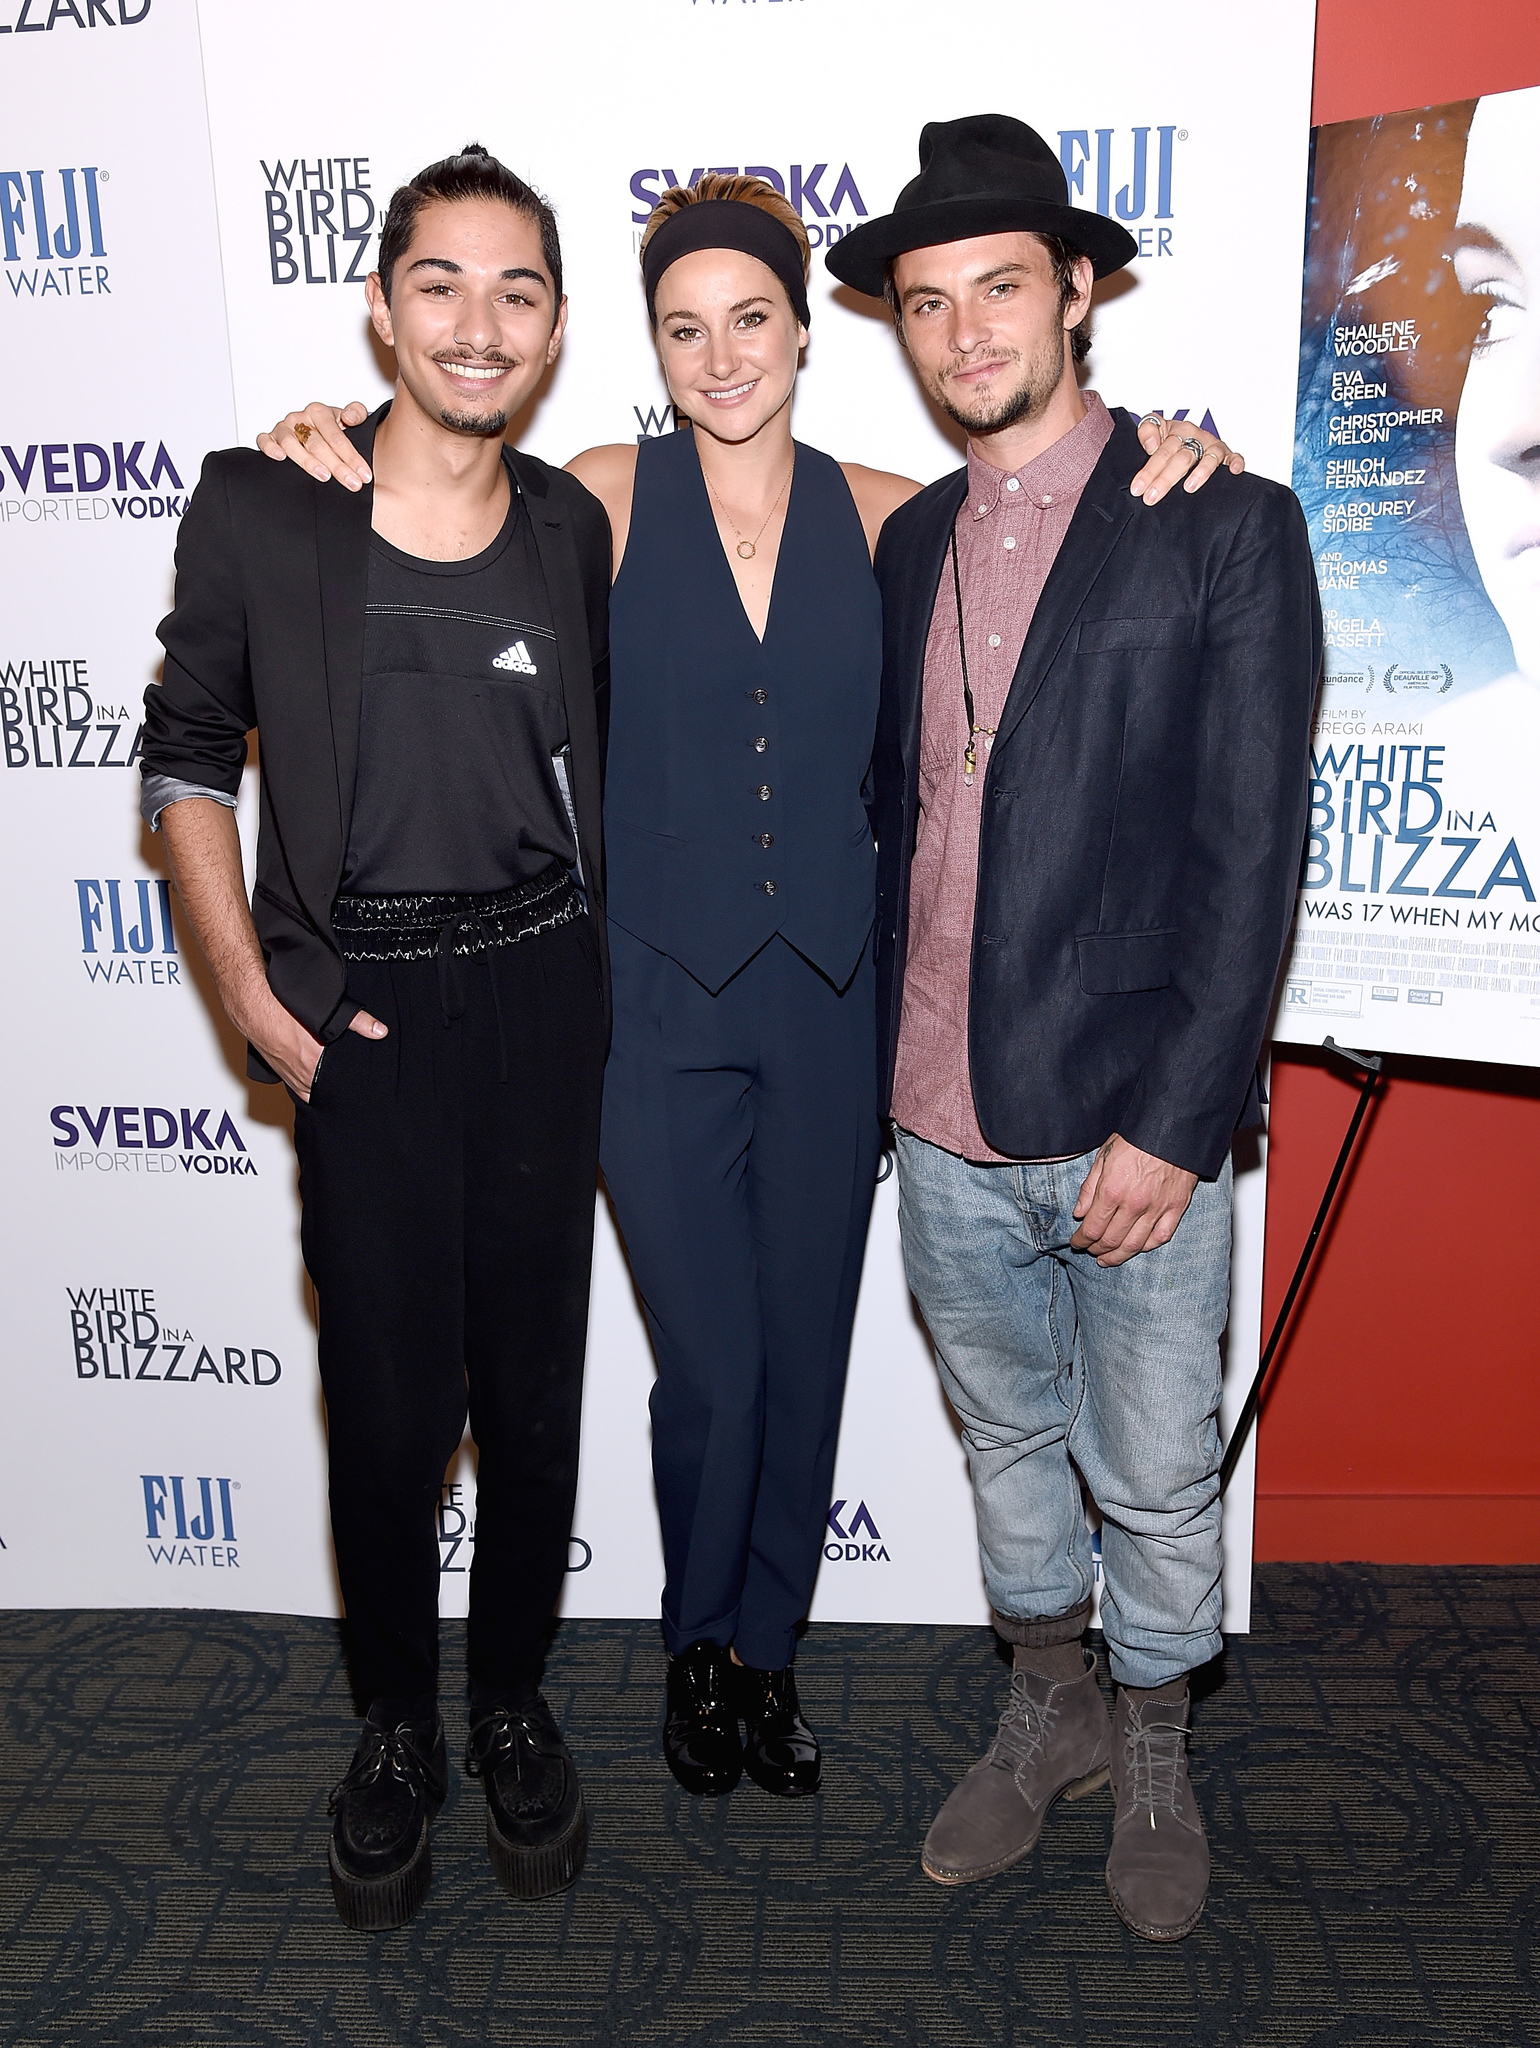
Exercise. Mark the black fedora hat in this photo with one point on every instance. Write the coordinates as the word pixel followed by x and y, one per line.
pixel 987 174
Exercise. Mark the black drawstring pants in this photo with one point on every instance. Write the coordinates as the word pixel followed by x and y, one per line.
pixel 448 1226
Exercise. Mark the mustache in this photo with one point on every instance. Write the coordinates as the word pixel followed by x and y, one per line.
pixel 493 359
pixel 994 355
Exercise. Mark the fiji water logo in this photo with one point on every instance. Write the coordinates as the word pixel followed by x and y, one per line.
pixel 817 197
pixel 860 1540
pixel 126 933
pixel 190 1521
pixel 320 219
pixel 49 219
pixel 1126 178
pixel 85 482
pixel 130 1138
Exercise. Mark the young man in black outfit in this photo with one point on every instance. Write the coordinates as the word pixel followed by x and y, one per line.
pixel 423 965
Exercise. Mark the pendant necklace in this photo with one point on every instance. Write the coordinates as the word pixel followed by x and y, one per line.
pixel 976 732
pixel 746 549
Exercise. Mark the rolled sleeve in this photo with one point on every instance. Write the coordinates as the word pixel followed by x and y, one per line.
pixel 158 791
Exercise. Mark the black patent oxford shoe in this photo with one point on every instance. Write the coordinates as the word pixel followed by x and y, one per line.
pixel 780 1751
pixel 379 1857
pixel 700 1733
pixel 537 1823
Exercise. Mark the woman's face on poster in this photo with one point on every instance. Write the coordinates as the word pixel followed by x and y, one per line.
pixel 1497 443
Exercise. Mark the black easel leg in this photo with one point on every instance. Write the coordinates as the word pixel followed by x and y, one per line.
pixel 1372 1064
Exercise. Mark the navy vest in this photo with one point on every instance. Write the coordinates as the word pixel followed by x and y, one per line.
pixel 732 808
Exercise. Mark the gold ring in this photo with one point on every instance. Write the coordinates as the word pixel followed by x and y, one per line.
pixel 302 432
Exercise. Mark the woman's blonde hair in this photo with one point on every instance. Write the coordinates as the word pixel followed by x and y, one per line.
pixel 751 191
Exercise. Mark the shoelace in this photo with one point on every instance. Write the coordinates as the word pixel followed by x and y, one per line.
pixel 1022 1734
pixel 507 1731
pixel 706 1694
pixel 772 1698
pixel 1153 1753
pixel 390 1749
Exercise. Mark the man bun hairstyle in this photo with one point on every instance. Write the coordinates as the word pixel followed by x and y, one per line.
pixel 750 191
pixel 473 174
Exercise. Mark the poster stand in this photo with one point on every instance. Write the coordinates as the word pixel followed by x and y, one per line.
pixel 1372 1065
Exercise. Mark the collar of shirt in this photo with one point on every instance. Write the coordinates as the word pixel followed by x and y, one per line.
pixel 1065 466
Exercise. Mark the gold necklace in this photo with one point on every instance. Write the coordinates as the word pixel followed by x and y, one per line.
pixel 747 549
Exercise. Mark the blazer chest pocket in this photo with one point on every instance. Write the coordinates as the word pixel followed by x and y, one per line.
pixel 1124 963
pixel 1116 636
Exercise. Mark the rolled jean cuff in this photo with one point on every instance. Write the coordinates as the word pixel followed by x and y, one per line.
pixel 1045 1631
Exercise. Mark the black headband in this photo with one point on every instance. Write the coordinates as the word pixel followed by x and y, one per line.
pixel 726 224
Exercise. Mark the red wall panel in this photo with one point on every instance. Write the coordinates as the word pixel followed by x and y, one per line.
pixel 1373 56
pixel 1404 1421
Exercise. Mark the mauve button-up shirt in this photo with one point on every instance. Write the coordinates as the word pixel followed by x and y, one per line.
pixel 1008 535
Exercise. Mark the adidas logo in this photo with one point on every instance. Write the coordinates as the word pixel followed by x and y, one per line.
pixel 516 658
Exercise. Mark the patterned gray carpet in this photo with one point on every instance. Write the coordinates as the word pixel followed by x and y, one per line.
pixel 1366 1761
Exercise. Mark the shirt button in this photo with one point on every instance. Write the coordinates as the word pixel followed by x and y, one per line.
pixel 1008 542
pixel 768 887
pixel 760 696
pixel 764 792
pixel 767 839
pixel 1011 484
pixel 994 639
pixel 979 511
pixel 760 744
pixel 1047 499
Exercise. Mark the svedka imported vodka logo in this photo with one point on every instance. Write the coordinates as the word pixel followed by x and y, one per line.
pixel 126 935
pixel 860 1540
pixel 122 1333
pixel 190 1521
pixel 128 1139
pixel 829 205
pixel 88 483
pixel 51 234
pixel 50 719
pixel 320 219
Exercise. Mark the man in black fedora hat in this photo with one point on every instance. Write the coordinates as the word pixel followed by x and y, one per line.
pixel 1089 804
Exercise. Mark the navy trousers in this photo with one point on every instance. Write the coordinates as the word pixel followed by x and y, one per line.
pixel 740 1144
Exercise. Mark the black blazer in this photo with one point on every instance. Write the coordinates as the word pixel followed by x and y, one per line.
pixel 1143 811
pixel 268 631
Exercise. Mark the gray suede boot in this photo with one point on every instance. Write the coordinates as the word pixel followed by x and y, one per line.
pixel 1053 1742
pixel 1159 1867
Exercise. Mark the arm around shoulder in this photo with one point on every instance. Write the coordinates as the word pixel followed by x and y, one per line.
pixel 878 493
pixel 609 474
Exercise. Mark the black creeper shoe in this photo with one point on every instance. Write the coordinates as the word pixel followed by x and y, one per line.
pixel 380 1862
pixel 537 1823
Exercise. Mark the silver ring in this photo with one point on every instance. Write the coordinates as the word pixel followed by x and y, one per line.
pixel 1147 417
pixel 1195 446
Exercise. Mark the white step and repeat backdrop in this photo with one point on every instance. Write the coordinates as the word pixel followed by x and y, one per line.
pixel 194 203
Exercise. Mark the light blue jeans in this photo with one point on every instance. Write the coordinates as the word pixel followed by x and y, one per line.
pixel 1056 1367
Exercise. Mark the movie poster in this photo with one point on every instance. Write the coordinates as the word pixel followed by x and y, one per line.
pixel 1417 460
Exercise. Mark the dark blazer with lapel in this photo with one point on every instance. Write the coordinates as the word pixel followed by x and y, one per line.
pixel 1143 811
pixel 268 632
